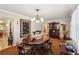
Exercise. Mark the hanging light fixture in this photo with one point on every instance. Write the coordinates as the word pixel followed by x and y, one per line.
pixel 37 18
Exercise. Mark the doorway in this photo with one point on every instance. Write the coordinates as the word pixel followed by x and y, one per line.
pixel 4 32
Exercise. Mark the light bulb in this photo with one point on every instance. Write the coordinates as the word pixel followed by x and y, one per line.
pixel 7 24
pixel 33 19
pixel 42 19
pixel 1 21
pixel 37 21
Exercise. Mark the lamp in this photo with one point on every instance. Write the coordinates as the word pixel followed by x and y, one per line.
pixel 1 21
pixel 37 18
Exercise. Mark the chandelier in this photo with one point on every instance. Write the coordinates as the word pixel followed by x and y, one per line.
pixel 37 18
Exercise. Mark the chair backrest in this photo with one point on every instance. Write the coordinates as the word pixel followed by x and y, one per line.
pixel 27 39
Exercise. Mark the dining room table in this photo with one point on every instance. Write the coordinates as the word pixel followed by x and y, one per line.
pixel 40 41
pixel 37 43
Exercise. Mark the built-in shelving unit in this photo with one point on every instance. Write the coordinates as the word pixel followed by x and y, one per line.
pixel 54 29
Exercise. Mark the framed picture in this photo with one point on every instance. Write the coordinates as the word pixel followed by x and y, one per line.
pixel 24 28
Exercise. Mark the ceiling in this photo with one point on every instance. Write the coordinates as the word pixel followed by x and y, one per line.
pixel 47 11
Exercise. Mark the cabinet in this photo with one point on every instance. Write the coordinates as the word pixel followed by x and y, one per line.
pixel 54 29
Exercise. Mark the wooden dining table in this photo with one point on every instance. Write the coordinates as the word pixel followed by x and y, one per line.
pixel 39 41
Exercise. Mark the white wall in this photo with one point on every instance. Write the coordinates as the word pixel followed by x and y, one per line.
pixel 15 23
pixel 75 27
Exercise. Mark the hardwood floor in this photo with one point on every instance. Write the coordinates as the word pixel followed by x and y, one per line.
pixel 9 51
pixel 55 45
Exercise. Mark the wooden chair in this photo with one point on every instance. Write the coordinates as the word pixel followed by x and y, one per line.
pixel 63 50
pixel 47 47
pixel 24 47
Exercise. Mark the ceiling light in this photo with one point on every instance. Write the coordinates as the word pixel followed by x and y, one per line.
pixel 7 24
pixel 33 19
pixel 1 21
pixel 37 21
pixel 42 19
pixel 37 17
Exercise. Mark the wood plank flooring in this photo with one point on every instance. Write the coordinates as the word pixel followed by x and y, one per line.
pixel 55 45
pixel 9 51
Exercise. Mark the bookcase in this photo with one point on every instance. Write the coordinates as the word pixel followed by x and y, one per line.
pixel 54 29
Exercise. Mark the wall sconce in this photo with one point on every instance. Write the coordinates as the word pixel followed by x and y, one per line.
pixel 7 24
